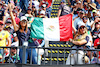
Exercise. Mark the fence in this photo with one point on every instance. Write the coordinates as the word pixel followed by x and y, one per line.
pixel 50 62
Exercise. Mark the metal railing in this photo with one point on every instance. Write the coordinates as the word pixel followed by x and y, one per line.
pixel 51 60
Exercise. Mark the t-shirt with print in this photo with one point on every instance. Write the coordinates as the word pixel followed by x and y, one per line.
pixel 64 9
pixel 4 35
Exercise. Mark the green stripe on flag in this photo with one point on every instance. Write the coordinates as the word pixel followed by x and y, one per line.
pixel 37 29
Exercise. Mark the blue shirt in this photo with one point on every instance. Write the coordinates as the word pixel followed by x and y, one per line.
pixel 23 36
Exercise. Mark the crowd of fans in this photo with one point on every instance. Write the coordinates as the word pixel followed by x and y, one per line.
pixel 16 18
pixel 15 21
pixel 86 30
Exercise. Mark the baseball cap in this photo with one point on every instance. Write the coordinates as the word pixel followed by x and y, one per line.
pixel 44 5
pixel 42 12
pixel 94 11
pixel 23 18
pixel 1 22
pixel 82 24
pixel 14 11
pixel 8 21
pixel 79 2
pixel 29 8
pixel 81 11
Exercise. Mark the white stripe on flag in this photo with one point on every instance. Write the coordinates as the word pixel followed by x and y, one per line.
pixel 51 29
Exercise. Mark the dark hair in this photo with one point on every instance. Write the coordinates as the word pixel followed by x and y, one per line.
pixel 21 27
pixel 95 29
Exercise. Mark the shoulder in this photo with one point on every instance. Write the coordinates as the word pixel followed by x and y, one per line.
pixel 96 40
pixel 6 32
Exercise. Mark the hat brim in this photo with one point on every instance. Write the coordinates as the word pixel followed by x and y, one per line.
pixel 93 7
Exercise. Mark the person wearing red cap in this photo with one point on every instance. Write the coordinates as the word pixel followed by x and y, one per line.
pixel 4 36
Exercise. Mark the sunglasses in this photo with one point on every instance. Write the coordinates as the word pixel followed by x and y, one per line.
pixel 24 21
pixel 1 24
pixel 33 7
pixel 82 27
pixel 13 48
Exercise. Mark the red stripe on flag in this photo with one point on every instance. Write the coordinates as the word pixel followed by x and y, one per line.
pixel 49 3
pixel 65 23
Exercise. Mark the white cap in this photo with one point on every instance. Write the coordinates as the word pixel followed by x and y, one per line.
pixel 79 2
pixel 42 12
pixel 44 5
pixel 14 34
pixel 82 24
pixel 23 18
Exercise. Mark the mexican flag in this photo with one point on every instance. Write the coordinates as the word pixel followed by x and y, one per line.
pixel 52 29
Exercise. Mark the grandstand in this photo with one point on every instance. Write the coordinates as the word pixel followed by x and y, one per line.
pixel 56 56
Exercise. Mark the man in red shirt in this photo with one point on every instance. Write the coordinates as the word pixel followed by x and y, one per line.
pixel 97 43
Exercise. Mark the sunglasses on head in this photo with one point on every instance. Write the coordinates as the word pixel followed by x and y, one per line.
pixel 82 27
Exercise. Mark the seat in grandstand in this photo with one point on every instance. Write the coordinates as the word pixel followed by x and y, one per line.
pixel 56 56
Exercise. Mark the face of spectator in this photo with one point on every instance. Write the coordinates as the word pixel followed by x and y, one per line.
pixel 15 38
pixel 29 11
pixel 97 25
pixel 98 1
pixel 81 15
pixel 33 8
pixel 8 24
pixel 44 8
pixel 82 29
pixel 0 6
pixel 13 51
pixel 94 14
pixel 8 29
pixel 85 19
pixel 23 23
pixel 14 14
pixel 1 27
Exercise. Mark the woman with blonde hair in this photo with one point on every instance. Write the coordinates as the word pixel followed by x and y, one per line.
pixel 79 42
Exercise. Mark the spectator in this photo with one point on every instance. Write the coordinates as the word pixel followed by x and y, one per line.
pixel 19 13
pixel 97 43
pixel 42 14
pixel 63 9
pixel 16 18
pixel 92 59
pixel 14 57
pixel 95 31
pixel 29 12
pixel 23 34
pixel 29 16
pixel 15 42
pixel 34 11
pixel 9 24
pixel 98 4
pixel 79 41
pixel 92 7
pixel 4 36
pixel 79 20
